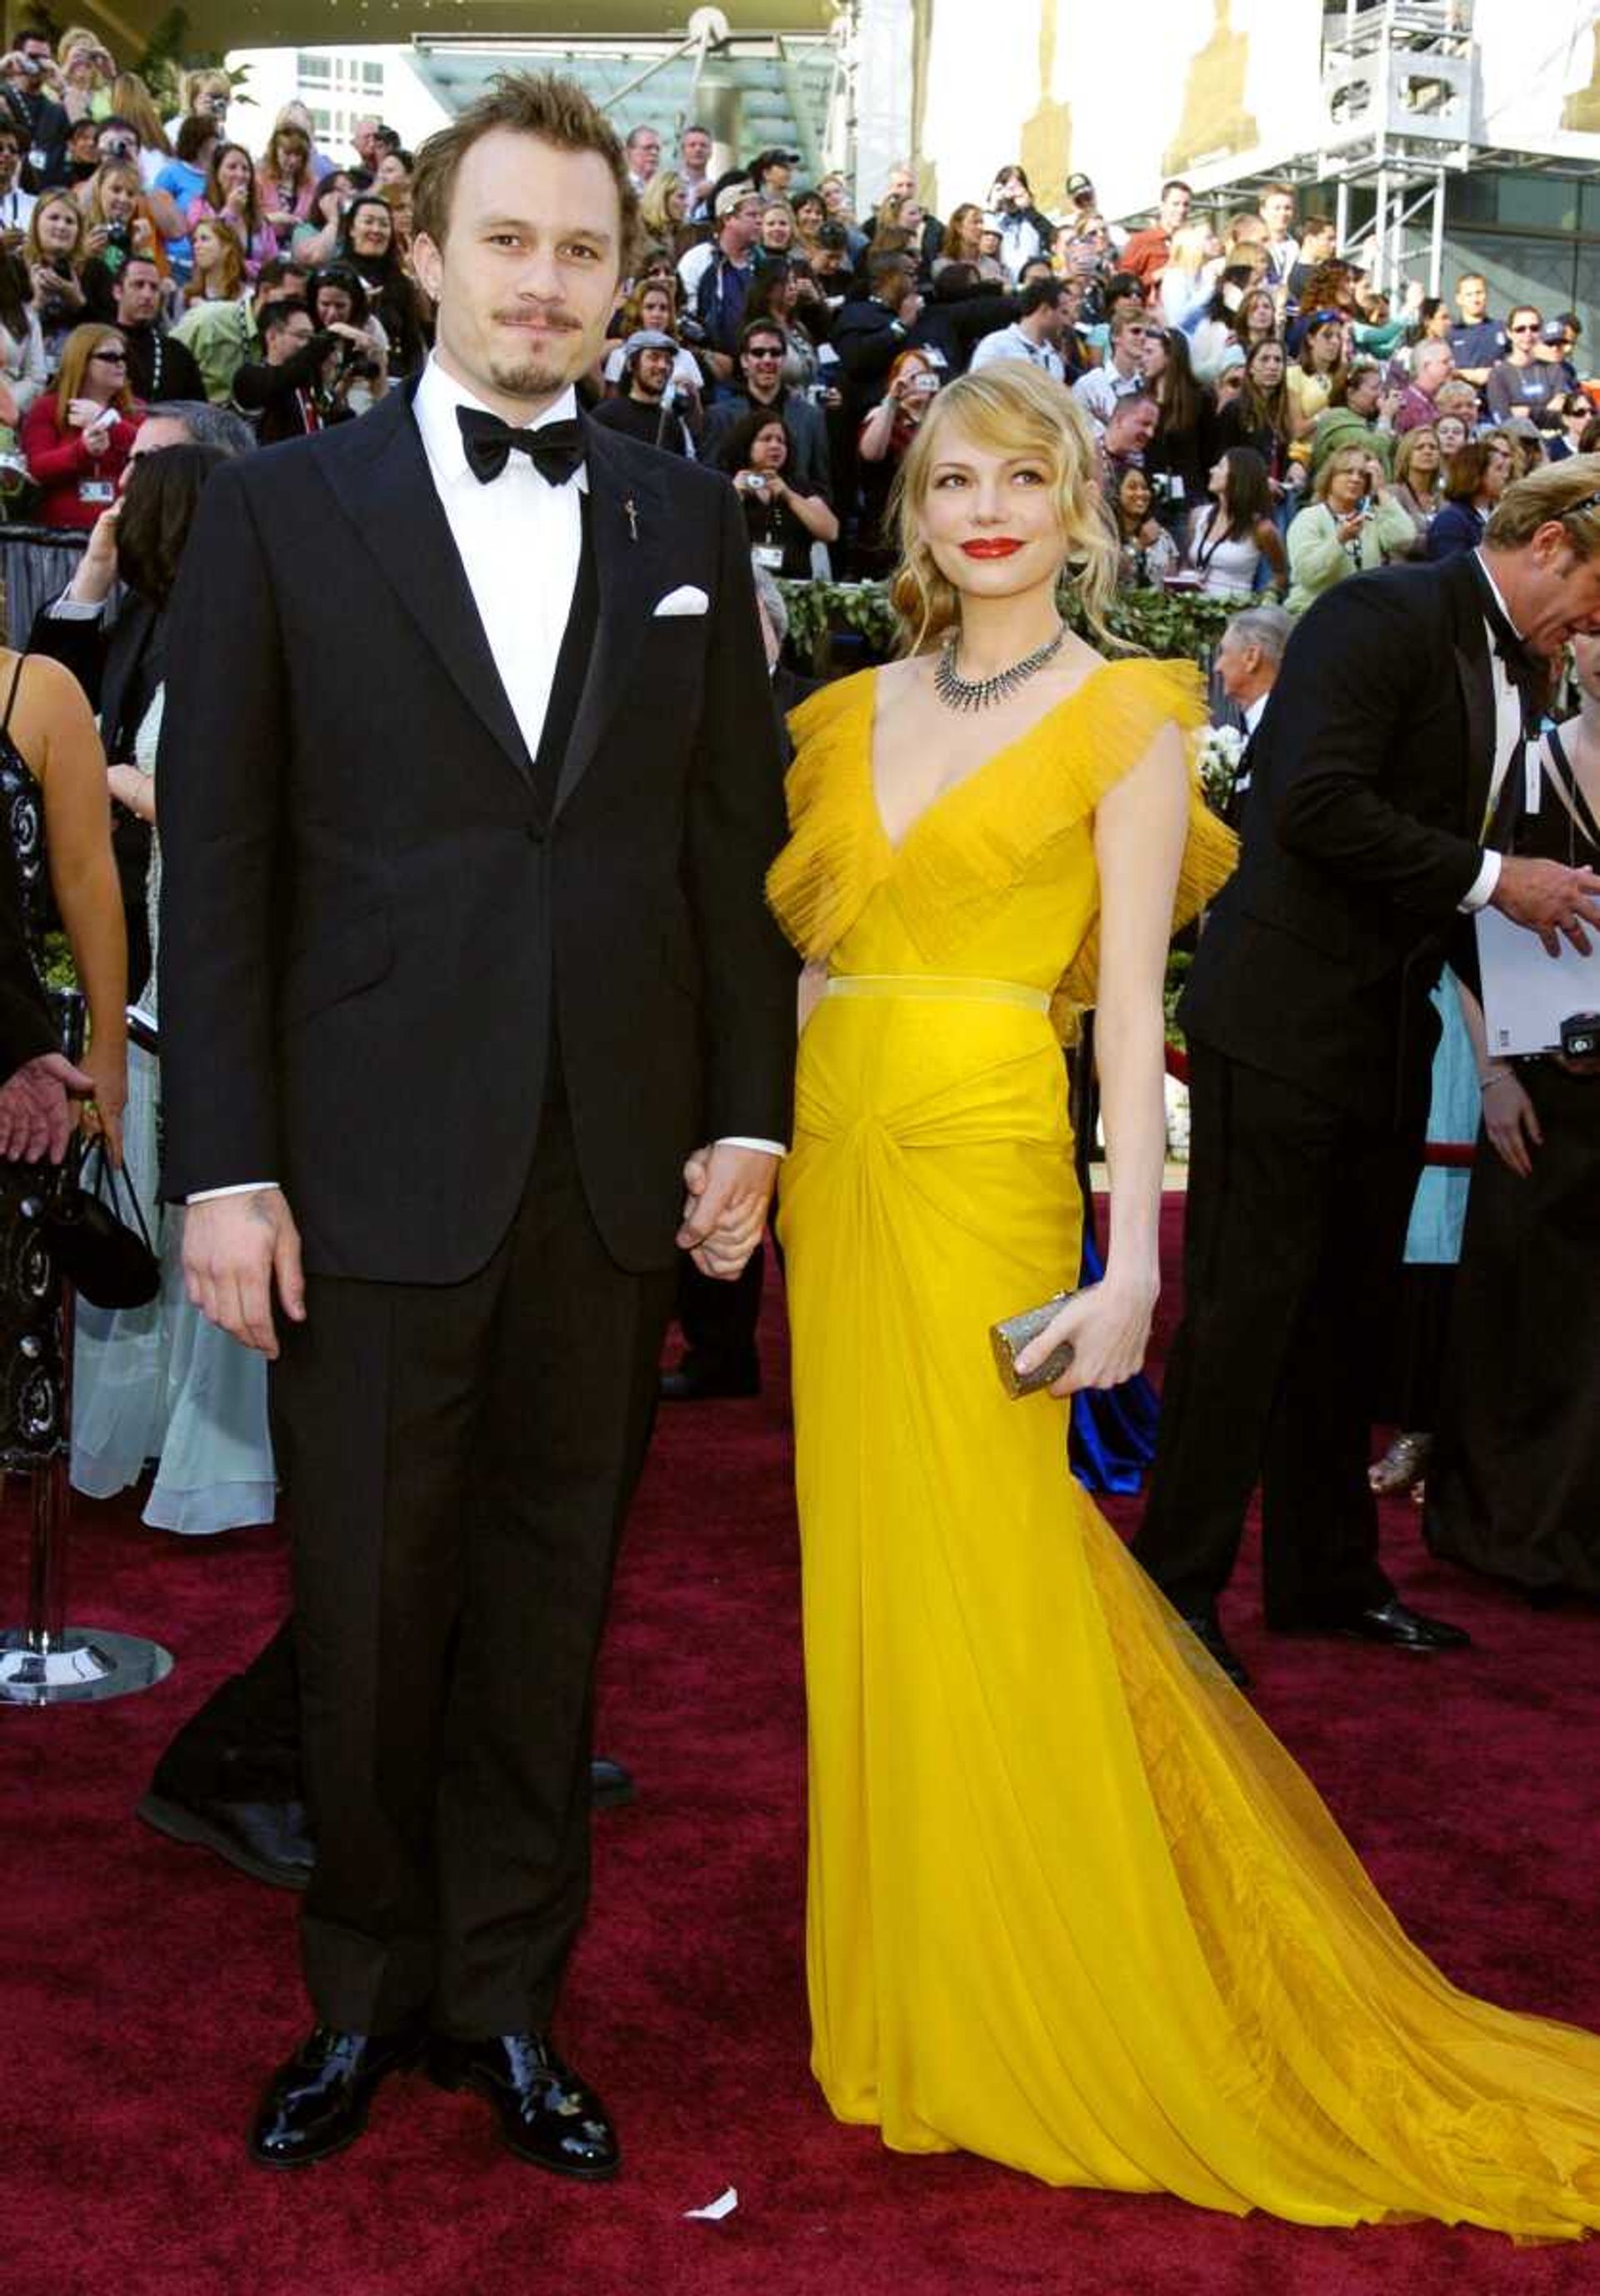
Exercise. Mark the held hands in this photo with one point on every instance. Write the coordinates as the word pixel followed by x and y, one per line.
pixel 36 1112
pixel 725 1211
pixel 235 1250
pixel 1108 1325
pixel 1550 899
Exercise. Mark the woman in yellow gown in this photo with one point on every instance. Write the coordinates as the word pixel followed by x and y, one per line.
pixel 1071 1904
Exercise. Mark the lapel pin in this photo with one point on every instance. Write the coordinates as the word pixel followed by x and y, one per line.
pixel 632 516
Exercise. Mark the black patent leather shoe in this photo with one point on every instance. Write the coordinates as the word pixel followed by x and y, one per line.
pixel 317 2104
pixel 1400 1628
pixel 269 1841
pixel 547 2115
pixel 699 1378
pixel 1207 1630
pixel 611 1786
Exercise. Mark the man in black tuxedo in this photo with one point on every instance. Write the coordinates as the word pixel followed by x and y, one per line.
pixel 1398 712
pixel 464 953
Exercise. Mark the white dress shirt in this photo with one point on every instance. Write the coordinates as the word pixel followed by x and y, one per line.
pixel 1015 342
pixel 504 530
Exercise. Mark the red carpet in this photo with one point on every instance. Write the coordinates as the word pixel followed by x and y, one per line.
pixel 146 1989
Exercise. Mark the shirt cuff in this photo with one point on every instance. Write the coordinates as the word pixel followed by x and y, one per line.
pixel 239 1188
pixel 1481 891
pixel 76 610
pixel 737 1140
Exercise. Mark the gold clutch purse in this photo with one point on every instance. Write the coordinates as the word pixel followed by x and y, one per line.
pixel 1008 1339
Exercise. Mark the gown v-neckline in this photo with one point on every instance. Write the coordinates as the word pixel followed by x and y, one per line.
pixel 895 846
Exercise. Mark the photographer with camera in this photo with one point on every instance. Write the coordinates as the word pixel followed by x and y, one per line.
pixel 323 363
pixel 763 348
pixel 1514 1485
pixel 119 225
pixel 782 522
pixel 31 90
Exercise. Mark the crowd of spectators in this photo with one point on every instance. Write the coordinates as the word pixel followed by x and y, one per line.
pixel 1266 422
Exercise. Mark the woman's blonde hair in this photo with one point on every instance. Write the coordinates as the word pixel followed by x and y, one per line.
pixel 131 100
pixel 1565 491
pixel 32 251
pixel 1342 458
pixel 1013 409
pixel 1405 447
pixel 656 219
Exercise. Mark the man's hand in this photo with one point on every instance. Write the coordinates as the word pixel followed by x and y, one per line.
pixel 235 1249
pixel 725 1210
pixel 1550 899
pixel 36 1112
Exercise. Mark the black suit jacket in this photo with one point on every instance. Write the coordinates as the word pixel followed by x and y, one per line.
pixel 373 930
pixel 1371 771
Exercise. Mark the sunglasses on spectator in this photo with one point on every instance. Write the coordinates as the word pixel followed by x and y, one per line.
pixel 775 353
pixel 1524 327
pixel 112 358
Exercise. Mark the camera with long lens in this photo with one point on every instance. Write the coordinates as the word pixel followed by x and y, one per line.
pixel 1581 1036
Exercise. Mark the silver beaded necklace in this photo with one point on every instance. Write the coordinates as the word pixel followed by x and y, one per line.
pixel 958 692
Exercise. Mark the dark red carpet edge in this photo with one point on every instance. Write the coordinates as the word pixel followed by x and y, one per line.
pixel 146 1989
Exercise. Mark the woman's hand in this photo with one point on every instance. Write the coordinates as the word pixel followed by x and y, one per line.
pixel 133 790
pixel 1108 1325
pixel 95 238
pixel 82 411
pixel 1511 1121
pixel 105 1064
pixel 1351 524
pixel 143 241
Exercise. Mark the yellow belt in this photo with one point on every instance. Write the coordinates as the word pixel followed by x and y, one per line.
pixel 950 988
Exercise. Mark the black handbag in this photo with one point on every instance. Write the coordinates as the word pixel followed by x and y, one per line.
pixel 107 1262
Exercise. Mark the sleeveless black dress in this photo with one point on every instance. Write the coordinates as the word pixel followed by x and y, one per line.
pixel 31 1410
pixel 1514 1488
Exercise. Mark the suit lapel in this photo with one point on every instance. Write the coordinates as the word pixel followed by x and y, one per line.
pixel 627 531
pixel 383 483
pixel 1476 680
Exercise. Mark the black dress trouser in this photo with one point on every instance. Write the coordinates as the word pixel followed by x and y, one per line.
pixel 1294 1229
pixel 458 1461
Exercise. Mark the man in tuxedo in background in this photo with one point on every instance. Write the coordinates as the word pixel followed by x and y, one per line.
pixel 1249 656
pixel 464 953
pixel 1401 706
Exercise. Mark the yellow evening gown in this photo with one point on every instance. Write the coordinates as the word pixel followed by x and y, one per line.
pixel 1071 1904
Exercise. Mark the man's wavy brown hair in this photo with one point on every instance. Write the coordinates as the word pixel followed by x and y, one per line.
pixel 557 111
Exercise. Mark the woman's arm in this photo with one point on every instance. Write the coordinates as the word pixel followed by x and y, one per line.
pixel 1509 1117
pixel 1140 827
pixel 1269 542
pixel 1315 558
pixel 812 512
pixel 82 876
pixel 872 443
pixel 52 453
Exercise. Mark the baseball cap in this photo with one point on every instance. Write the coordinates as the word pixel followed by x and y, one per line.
pixel 646 338
pixel 730 197
pixel 1080 187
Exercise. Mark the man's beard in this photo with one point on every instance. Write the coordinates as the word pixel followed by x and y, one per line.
pixel 531 376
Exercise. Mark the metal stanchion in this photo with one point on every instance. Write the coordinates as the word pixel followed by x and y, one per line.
pixel 44 1661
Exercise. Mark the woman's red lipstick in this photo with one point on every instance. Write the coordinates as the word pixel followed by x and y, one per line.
pixel 1000 545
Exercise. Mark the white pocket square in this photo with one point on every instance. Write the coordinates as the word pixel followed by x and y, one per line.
pixel 687 600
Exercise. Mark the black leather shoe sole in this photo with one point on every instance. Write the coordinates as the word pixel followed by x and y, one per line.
pixel 181 1824
pixel 443 2076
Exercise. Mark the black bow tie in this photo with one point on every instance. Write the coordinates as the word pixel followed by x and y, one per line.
pixel 555 449
pixel 1523 668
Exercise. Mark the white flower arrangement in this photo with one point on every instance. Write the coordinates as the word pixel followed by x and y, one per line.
pixel 1218 750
